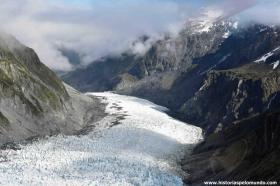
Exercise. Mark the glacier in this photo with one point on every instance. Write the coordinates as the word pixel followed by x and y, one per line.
pixel 137 143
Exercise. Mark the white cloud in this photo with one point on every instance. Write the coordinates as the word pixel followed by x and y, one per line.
pixel 95 28
pixel 264 12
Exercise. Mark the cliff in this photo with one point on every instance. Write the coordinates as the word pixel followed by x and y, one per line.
pixel 33 100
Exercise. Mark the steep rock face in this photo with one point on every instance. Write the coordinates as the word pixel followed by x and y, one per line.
pixel 196 70
pixel 230 95
pixel 177 54
pixel 168 54
pixel 238 80
pixel 249 150
pixel 33 101
pixel 103 75
pixel 246 45
pixel 155 72
pixel 227 88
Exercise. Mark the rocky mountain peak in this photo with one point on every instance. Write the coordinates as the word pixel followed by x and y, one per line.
pixel 209 19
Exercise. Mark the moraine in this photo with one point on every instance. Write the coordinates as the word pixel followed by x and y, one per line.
pixel 136 144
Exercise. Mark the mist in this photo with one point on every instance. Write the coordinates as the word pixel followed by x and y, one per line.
pixel 263 12
pixel 95 28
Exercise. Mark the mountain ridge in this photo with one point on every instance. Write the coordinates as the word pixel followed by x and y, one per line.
pixel 174 65
pixel 33 100
pixel 229 86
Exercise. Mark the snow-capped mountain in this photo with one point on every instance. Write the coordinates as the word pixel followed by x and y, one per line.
pixel 209 19
pixel 174 70
pixel 217 73
pixel 171 54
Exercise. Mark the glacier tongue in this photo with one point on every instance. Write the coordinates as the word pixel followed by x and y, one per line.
pixel 142 148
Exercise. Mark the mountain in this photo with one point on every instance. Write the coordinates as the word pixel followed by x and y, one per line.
pixel 33 100
pixel 249 150
pixel 188 72
pixel 103 75
pixel 238 81
pixel 219 75
pixel 169 56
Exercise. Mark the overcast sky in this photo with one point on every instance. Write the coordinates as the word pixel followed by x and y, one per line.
pixel 95 28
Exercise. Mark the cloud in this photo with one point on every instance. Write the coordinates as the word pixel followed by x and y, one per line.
pixel 264 12
pixel 95 28
pixel 258 11
pixel 92 28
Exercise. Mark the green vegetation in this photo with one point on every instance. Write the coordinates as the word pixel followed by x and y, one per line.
pixel 251 71
pixel 17 80
pixel 49 97
pixel 5 81
pixel 3 120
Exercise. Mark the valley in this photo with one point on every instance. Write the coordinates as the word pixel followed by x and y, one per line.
pixel 139 93
pixel 144 148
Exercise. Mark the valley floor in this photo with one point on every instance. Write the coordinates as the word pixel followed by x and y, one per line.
pixel 136 144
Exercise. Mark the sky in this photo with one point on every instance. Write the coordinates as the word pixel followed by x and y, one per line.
pixel 95 28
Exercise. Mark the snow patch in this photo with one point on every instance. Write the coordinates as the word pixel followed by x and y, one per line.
pixel 226 35
pixel 275 64
pixel 271 101
pixel 235 24
pixel 276 49
pixel 264 58
pixel 143 148
pixel 263 29
pixel 240 83
pixel 223 59
pixel 206 21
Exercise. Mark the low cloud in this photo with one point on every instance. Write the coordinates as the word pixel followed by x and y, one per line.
pixel 264 12
pixel 95 28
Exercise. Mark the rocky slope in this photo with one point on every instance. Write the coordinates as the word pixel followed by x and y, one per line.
pixel 167 61
pixel 234 94
pixel 238 80
pixel 188 71
pixel 103 75
pixel 249 150
pixel 33 100
pixel 223 78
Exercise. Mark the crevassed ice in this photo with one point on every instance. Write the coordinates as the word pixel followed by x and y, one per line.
pixel 143 149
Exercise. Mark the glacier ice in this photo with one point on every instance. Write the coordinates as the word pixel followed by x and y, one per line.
pixel 143 149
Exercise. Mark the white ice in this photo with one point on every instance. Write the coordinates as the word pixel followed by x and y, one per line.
pixel 143 149
pixel 266 56
pixel 226 35
pixel 276 64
